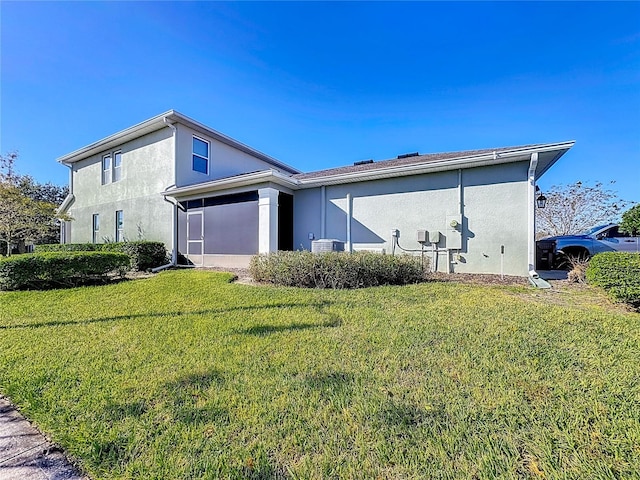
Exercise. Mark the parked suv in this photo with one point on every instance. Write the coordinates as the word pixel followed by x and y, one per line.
pixel 603 238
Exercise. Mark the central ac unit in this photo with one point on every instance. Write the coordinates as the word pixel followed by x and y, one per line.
pixel 327 245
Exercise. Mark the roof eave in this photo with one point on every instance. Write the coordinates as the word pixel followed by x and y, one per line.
pixel 148 126
pixel 493 158
pixel 246 180
pixel 158 122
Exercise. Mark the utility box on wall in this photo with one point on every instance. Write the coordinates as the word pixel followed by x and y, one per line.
pixel 453 231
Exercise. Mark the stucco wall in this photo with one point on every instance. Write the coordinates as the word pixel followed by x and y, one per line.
pixel 224 160
pixel 494 214
pixel 147 169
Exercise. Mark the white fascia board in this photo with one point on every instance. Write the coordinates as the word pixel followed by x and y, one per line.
pixel 143 128
pixel 492 158
pixel 245 180
pixel 157 123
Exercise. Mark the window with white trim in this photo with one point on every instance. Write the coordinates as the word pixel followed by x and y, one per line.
pixel 96 227
pixel 117 166
pixel 111 167
pixel 119 226
pixel 200 158
pixel 106 169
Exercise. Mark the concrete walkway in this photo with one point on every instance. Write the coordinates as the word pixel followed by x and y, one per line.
pixel 25 454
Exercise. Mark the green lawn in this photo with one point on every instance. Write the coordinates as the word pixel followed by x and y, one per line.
pixel 185 375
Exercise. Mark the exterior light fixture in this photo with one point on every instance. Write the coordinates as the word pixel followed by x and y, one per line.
pixel 541 201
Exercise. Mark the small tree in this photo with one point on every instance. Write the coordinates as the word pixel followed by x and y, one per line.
pixel 631 221
pixel 577 207
pixel 28 210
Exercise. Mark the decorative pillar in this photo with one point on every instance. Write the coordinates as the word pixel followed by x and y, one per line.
pixel 267 220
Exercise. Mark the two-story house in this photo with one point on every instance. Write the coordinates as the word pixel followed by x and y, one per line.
pixel 218 201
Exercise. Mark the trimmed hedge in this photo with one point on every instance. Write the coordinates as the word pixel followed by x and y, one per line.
pixel 618 273
pixel 144 255
pixel 336 269
pixel 60 269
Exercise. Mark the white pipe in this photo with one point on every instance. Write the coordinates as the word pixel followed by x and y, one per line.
pixel 460 206
pixel 174 212
pixel 349 215
pixel 323 211
pixel 531 215
pixel 64 224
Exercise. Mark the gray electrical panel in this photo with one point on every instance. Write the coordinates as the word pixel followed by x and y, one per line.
pixel 423 236
pixel 434 236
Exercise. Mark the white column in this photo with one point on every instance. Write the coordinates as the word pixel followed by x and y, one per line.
pixel 267 220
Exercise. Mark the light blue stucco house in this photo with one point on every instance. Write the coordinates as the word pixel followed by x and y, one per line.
pixel 218 202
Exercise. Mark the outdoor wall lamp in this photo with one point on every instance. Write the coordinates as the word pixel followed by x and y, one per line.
pixel 541 201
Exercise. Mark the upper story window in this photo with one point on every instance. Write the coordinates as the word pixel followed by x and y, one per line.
pixel 106 169
pixel 111 168
pixel 117 166
pixel 200 155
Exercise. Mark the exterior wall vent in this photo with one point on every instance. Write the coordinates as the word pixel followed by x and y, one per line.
pixel 327 245
pixel 363 162
pixel 407 155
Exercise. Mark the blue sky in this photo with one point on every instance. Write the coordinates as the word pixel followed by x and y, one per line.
pixel 318 85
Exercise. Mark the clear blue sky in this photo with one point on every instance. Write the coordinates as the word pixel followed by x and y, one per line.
pixel 318 85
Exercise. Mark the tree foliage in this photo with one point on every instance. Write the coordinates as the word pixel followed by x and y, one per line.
pixel 576 207
pixel 28 209
pixel 631 221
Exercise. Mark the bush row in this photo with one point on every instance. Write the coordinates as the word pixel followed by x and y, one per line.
pixel 60 269
pixel 144 255
pixel 618 273
pixel 336 269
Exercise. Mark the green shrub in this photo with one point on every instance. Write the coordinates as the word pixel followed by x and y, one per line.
pixel 143 255
pixel 68 247
pixel 59 269
pixel 335 269
pixel 618 273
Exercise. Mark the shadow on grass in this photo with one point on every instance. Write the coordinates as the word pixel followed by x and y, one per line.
pixel 334 381
pixel 214 311
pixel 184 399
pixel 330 320
pixel 399 413
pixel 262 330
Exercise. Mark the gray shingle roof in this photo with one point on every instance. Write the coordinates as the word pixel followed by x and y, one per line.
pixel 416 160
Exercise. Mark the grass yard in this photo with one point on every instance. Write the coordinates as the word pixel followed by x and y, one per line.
pixel 185 375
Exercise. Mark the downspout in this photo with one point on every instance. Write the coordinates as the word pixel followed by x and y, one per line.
pixel 531 215
pixel 534 278
pixel 174 212
pixel 63 226
pixel 323 211
pixel 349 215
